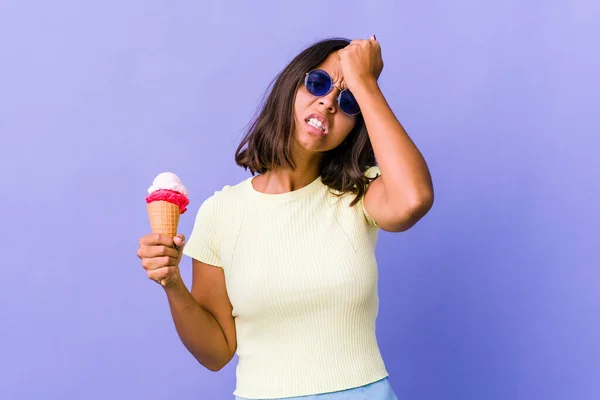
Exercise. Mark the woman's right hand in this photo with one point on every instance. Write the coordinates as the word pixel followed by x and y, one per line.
pixel 160 257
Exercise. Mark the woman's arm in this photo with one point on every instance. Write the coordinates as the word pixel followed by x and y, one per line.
pixel 203 317
pixel 403 193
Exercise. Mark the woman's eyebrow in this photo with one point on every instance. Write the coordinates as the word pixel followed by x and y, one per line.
pixel 341 86
pixel 337 81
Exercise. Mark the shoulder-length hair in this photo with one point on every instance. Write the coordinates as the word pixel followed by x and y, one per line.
pixel 269 138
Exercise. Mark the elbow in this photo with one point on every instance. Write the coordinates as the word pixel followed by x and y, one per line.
pixel 420 208
pixel 423 205
pixel 414 204
pixel 419 202
pixel 407 217
pixel 214 366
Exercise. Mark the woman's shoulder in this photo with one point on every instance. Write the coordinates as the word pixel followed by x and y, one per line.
pixel 234 191
pixel 228 194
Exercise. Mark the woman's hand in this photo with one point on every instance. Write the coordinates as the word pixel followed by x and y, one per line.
pixel 361 63
pixel 160 257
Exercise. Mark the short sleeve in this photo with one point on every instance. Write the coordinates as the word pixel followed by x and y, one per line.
pixel 372 172
pixel 203 243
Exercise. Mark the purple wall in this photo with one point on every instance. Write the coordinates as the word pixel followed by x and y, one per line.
pixel 494 295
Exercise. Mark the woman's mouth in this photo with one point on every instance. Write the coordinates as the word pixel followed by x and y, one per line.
pixel 316 127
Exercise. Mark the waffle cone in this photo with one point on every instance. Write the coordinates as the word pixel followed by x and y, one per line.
pixel 164 217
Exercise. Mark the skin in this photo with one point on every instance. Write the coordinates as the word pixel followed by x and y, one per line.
pixel 308 148
pixel 396 200
pixel 403 193
pixel 202 316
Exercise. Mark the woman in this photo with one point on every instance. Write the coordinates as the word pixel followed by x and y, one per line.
pixel 284 271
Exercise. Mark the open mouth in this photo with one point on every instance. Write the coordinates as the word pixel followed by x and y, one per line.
pixel 317 125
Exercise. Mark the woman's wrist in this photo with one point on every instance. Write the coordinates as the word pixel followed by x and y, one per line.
pixel 175 284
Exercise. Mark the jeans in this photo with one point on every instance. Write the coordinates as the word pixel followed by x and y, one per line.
pixel 380 390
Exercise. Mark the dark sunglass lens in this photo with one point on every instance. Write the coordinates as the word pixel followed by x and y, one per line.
pixel 318 83
pixel 348 103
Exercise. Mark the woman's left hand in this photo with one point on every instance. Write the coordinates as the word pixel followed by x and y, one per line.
pixel 361 62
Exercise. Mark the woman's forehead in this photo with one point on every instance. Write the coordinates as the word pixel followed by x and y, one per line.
pixel 331 63
pixel 333 67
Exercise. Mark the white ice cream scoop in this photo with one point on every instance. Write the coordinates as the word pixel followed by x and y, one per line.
pixel 167 181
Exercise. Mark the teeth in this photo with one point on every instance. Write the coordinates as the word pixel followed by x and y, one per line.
pixel 316 123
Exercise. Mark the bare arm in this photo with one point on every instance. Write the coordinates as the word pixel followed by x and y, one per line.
pixel 203 317
pixel 403 193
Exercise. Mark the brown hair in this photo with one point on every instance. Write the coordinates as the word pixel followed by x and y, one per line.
pixel 269 138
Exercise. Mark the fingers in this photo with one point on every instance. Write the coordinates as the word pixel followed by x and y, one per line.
pixel 371 40
pixel 358 46
pixel 160 257
pixel 179 241
pixel 157 251
pixel 156 239
pixel 159 262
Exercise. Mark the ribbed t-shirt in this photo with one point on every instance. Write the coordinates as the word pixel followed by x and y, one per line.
pixel 301 274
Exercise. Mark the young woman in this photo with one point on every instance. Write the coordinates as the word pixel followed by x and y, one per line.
pixel 284 268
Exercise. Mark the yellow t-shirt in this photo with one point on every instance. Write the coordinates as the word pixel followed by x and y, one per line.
pixel 301 274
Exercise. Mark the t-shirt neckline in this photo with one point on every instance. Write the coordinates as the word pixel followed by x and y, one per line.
pixel 293 195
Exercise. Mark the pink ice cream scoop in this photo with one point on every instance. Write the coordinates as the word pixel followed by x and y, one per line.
pixel 167 187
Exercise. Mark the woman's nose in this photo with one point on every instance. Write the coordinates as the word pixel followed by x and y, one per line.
pixel 329 101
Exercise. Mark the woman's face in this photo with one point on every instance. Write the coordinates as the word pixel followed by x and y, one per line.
pixel 336 125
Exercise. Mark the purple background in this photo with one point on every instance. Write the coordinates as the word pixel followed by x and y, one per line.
pixel 495 294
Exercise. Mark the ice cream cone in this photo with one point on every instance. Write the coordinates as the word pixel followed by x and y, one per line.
pixel 164 218
pixel 167 200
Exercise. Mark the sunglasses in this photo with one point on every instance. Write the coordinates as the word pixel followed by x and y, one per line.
pixel 319 83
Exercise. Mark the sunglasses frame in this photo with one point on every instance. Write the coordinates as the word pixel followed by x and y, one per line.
pixel 331 86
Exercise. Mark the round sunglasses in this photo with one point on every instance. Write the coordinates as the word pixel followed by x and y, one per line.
pixel 319 84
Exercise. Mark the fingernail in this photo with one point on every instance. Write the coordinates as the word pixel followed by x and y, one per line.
pixel 175 244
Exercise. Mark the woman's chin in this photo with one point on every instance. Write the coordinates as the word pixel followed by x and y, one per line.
pixel 313 146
